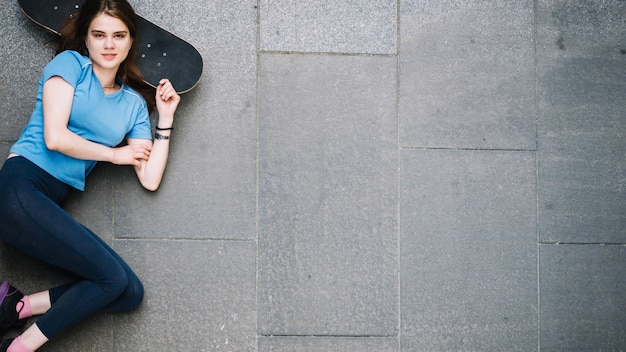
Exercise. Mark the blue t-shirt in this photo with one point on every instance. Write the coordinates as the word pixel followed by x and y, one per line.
pixel 102 118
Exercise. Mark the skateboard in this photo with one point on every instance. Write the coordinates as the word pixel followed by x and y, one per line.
pixel 161 54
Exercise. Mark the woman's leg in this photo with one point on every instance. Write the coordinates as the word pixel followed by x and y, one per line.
pixel 39 303
pixel 33 338
pixel 31 305
pixel 128 300
pixel 34 223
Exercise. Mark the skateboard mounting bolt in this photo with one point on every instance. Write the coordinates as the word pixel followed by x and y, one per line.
pixel 159 64
pixel 55 7
pixel 76 6
pixel 164 54
pixel 149 45
pixel 143 55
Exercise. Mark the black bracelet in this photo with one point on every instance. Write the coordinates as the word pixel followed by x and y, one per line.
pixel 163 129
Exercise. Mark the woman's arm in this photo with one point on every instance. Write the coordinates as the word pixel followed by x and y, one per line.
pixel 150 171
pixel 57 98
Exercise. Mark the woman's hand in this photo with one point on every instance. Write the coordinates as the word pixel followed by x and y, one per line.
pixel 166 100
pixel 132 154
pixel 152 163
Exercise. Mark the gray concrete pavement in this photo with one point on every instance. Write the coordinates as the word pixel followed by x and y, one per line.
pixel 376 176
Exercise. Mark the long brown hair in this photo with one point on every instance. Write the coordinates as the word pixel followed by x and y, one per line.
pixel 74 33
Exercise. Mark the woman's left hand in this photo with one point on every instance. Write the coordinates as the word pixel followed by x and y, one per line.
pixel 166 99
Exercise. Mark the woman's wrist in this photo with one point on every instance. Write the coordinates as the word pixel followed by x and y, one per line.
pixel 161 137
pixel 164 128
pixel 165 121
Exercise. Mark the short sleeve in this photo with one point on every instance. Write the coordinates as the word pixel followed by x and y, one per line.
pixel 67 65
pixel 141 129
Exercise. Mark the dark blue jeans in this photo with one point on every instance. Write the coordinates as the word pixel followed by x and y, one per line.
pixel 32 220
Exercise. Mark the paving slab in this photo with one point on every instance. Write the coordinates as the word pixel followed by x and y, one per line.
pixel 468 251
pixel 329 26
pixel 581 67
pixel 25 51
pixel 199 294
pixel 212 168
pixel 327 344
pixel 467 74
pixel 327 196
pixel 583 306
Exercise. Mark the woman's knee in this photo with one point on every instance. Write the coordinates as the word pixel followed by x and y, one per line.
pixel 133 296
pixel 115 281
pixel 124 286
pixel 129 299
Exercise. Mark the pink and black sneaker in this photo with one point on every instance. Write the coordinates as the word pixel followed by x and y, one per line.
pixel 9 315
pixel 4 344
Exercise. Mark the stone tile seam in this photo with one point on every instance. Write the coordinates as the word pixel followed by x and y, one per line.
pixel 398 177
pixel 538 267
pixel 602 244
pixel 468 149
pixel 325 53
pixel 181 239
pixel 257 165
pixel 333 336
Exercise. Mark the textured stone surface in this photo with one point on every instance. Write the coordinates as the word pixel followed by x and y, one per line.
pixel 467 74
pixel 468 251
pixel 581 56
pixel 337 26
pixel 212 168
pixel 327 219
pixel 298 154
pixel 199 294
pixel 583 306
pixel 26 49
pixel 327 344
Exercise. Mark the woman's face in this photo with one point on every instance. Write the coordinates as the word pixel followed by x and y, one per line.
pixel 108 42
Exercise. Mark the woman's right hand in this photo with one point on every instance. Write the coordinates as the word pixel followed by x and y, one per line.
pixel 131 154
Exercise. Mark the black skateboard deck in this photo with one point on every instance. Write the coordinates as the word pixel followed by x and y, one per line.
pixel 160 53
